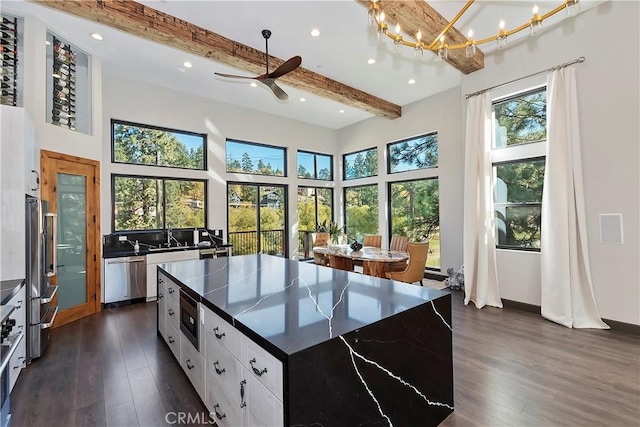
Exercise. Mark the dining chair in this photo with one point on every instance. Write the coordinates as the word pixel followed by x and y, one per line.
pixel 414 272
pixel 320 239
pixel 372 240
pixel 398 243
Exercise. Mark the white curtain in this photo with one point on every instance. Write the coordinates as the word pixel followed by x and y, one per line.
pixel 567 292
pixel 480 269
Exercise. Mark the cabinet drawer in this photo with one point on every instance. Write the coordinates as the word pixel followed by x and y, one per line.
pixel 225 413
pixel 192 363
pixel 263 409
pixel 18 361
pixel 19 312
pixel 172 312
pixel 223 332
pixel 226 370
pixel 173 290
pixel 172 337
pixel 263 366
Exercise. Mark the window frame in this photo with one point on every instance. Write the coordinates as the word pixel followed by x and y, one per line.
pixel 390 210
pixel 315 166
pixel 163 129
pixel 285 151
pixel 344 164
pixel 388 152
pixel 164 209
pixel 525 152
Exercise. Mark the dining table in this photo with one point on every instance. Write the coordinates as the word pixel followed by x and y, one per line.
pixel 375 261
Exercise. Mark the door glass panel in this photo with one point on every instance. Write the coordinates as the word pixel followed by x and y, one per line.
pixel 72 238
pixel 243 218
pixel 272 214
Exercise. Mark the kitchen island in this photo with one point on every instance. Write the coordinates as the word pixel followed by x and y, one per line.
pixel 316 345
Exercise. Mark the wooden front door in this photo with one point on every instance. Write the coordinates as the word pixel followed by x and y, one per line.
pixel 71 186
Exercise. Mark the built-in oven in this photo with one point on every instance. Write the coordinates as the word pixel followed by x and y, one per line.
pixel 189 318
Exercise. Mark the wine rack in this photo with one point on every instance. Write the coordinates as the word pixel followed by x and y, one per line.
pixel 64 85
pixel 9 40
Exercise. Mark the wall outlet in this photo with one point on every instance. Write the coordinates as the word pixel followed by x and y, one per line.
pixel 122 238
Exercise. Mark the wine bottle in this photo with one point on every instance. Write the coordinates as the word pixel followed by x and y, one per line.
pixel 6 85
pixel 5 27
pixel 8 21
pixel 6 93
pixel 6 49
pixel 8 57
pixel 7 38
pixel 8 63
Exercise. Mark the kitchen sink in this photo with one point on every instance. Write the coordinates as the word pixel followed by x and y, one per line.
pixel 170 248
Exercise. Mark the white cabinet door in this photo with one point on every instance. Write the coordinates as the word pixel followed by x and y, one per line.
pixel 262 366
pixel 192 364
pixel 263 409
pixel 19 359
pixel 162 309
pixel 152 280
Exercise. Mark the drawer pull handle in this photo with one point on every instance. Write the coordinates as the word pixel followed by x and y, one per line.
pixel 218 415
pixel 171 312
pixel 219 336
pixel 189 364
pixel 160 281
pixel 171 290
pixel 160 296
pixel 171 340
pixel 257 371
pixel 218 371
pixel 242 402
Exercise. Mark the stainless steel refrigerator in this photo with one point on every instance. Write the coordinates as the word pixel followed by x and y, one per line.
pixel 41 267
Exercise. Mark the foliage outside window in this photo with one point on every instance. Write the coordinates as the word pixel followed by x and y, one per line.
pixel 415 213
pixel 420 152
pixel 520 119
pixel 315 166
pixel 315 206
pixel 518 176
pixel 361 211
pixel 518 203
pixel 144 203
pixel 361 164
pixel 256 159
pixel 257 218
pixel 147 145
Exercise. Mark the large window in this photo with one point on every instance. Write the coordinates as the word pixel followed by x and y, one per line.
pixel 520 131
pixel 315 206
pixel 420 152
pixel 360 164
pixel 149 145
pixel 361 211
pixel 315 166
pixel 415 213
pixel 150 203
pixel 256 159
pixel 257 218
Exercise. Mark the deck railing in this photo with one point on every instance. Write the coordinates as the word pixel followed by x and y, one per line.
pixel 271 242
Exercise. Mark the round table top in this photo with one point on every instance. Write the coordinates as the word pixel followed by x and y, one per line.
pixel 367 253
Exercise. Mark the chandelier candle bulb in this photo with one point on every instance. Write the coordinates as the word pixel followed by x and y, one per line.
pixel 501 39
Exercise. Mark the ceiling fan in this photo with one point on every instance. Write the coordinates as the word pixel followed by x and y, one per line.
pixel 269 79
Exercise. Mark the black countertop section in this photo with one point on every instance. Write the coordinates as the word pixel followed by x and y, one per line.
pixel 292 305
pixel 8 288
pixel 145 251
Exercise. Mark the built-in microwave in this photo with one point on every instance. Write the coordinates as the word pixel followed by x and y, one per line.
pixel 189 318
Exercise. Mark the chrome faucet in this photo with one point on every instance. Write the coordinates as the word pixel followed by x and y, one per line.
pixel 170 237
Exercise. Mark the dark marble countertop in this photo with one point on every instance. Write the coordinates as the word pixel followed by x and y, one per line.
pixel 8 288
pixel 290 305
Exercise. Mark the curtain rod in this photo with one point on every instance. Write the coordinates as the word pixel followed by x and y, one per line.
pixel 557 67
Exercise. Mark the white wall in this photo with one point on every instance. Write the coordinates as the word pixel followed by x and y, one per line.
pixel 609 109
pixel 141 103
pixel 440 113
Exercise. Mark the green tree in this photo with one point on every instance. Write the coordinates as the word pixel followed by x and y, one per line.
pixel 522 119
pixel 416 153
pixel 247 164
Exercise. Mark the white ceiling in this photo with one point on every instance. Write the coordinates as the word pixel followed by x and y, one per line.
pixel 340 52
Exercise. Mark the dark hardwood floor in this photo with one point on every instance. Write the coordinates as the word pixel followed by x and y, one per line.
pixel 511 368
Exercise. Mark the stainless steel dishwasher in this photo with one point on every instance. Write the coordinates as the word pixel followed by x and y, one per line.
pixel 125 279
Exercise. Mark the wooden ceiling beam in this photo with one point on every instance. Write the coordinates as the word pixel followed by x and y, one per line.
pixel 415 15
pixel 143 21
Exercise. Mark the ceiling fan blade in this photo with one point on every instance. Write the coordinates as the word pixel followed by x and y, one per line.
pixel 287 67
pixel 277 91
pixel 231 76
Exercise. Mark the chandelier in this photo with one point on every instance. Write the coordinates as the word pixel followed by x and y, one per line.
pixel 439 45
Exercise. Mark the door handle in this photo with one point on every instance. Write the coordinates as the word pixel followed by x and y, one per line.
pixel 54 248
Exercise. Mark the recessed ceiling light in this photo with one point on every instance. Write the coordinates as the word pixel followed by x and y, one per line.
pixel 412 81
pixel 315 32
pixel 253 84
pixel 341 111
pixel 97 36
pixel 302 99
pixel 187 64
pixel 371 61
